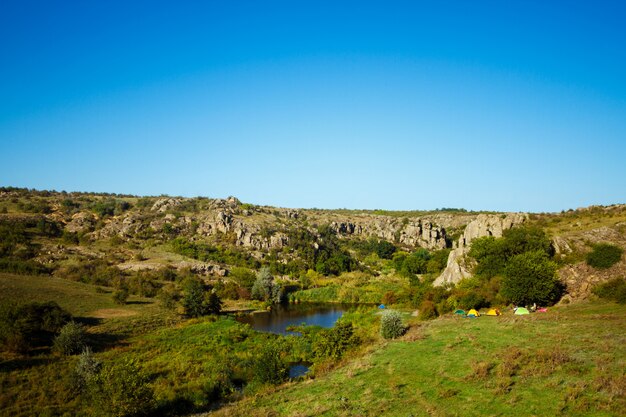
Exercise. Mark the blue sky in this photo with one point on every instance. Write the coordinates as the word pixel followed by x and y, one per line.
pixel 513 106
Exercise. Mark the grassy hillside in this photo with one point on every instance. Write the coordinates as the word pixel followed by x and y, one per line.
pixel 569 361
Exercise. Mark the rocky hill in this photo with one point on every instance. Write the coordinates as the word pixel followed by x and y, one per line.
pixel 137 233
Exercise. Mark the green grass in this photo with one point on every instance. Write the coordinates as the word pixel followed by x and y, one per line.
pixel 569 361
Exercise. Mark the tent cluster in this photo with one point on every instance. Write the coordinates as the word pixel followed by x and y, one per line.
pixel 518 311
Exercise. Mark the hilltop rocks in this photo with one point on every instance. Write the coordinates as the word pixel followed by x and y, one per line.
pixel 458 267
pixel 81 222
pixel 419 232
pixel 164 204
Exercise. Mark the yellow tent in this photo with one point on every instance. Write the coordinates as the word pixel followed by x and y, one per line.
pixel 494 312
pixel 474 313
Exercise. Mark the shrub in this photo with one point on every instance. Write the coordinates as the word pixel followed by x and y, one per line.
pixel 120 296
pixel 333 343
pixel 121 389
pixel 32 324
pixel 85 372
pixel 427 310
pixel 531 278
pixel 614 290
pixel 71 339
pixel 168 296
pixel 197 301
pixel 269 368
pixel 604 255
pixel 391 325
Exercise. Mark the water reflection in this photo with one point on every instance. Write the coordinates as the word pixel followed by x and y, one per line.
pixel 283 316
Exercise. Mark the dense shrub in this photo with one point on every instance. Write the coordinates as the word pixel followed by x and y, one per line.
pixel 333 343
pixel 427 310
pixel 168 296
pixel 208 253
pixel 614 290
pixel 72 339
pixel 269 367
pixel 120 296
pixel 391 325
pixel 30 325
pixel 604 255
pixel 122 389
pixel 531 278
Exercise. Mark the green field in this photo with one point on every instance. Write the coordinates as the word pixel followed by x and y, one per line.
pixel 570 361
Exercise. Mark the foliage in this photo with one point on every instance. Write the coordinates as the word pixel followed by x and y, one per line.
pixel 391 324
pixel 265 288
pixel 85 371
pixel 120 296
pixel 121 389
pixel 529 278
pixel 269 367
pixel 614 290
pixel 110 207
pixel 197 301
pixel 243 276
pixel 492 254
pixel 604 255
pixel 168 296
pixel 71 339
pixel 31 324
pixel 427 310
pixel 334 342
pixel 208 253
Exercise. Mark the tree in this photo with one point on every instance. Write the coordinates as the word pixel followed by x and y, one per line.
pixel 265 289
pixel 529 278
pixel 193 299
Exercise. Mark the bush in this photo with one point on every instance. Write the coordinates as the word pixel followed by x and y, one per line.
pixel 531 278
pixel 29 325
pixel 614 290
pixel 604 255
pixel 269 367
pixel 72 339
pixel 85 372
pixel 333 343
pixel 121 389
pixel 391 325
pixel 427 310
pixel 120 296
pixel 197 301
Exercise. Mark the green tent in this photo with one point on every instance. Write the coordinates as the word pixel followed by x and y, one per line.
pixel 460 312
pixel 521 310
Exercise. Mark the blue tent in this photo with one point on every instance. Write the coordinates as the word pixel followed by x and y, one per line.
pixel 382 306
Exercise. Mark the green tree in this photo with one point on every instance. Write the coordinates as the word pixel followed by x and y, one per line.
pixel 194 297
pixel 265 289
pixel 529 278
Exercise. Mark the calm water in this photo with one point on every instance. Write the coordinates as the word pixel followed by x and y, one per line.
pixel 280 317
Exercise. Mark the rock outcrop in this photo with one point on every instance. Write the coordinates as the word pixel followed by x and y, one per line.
pixel 420 232
pixel 458 267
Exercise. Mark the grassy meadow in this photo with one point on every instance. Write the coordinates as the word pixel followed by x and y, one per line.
pixel 570 361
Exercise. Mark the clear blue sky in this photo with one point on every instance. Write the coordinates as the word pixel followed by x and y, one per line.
pixel 496 105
